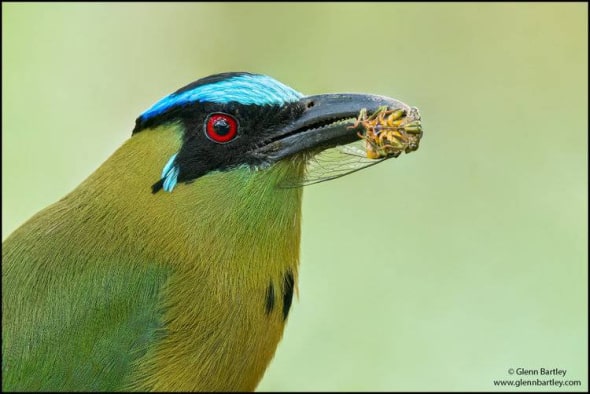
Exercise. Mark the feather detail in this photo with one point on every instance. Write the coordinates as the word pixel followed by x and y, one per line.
pixel 170 174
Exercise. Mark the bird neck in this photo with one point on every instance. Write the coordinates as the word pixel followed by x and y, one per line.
pixel 230 241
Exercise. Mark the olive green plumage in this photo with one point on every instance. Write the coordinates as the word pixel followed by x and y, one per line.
pixel 98 295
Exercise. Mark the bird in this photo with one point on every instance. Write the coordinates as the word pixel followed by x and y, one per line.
pixel 172 267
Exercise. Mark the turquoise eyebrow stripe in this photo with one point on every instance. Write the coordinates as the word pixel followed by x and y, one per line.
pixel 244 89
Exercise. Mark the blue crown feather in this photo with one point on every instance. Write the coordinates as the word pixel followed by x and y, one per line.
pixel 245 89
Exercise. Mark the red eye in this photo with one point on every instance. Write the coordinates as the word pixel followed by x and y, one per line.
pixel 221 128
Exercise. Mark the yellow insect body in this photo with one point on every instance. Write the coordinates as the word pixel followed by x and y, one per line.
pixel 390 132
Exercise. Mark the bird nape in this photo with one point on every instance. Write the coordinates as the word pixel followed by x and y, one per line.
pixel 173 265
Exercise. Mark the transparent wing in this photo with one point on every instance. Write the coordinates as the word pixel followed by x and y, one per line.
pixel 333 163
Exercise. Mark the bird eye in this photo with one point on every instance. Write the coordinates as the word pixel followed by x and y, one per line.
pixel 221 128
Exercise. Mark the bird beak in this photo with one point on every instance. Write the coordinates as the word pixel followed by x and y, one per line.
pixel 327 120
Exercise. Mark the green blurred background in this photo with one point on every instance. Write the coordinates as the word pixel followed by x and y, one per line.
pixel 439 270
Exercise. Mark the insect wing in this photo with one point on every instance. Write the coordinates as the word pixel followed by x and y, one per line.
pixel 334 163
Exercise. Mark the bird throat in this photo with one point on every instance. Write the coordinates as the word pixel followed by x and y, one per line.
pixel 230 242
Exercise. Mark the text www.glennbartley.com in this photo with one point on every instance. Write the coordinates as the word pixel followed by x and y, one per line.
pixel 537 377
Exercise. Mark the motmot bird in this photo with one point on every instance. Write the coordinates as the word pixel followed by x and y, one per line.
pixel 173 265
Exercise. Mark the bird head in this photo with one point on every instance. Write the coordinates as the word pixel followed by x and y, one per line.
pixel 243 119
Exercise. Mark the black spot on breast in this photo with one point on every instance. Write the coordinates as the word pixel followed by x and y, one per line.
pixel 270 299
pixel 156 187
pixel 288 283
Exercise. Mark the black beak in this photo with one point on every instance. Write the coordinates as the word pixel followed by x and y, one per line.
pixel 327 121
